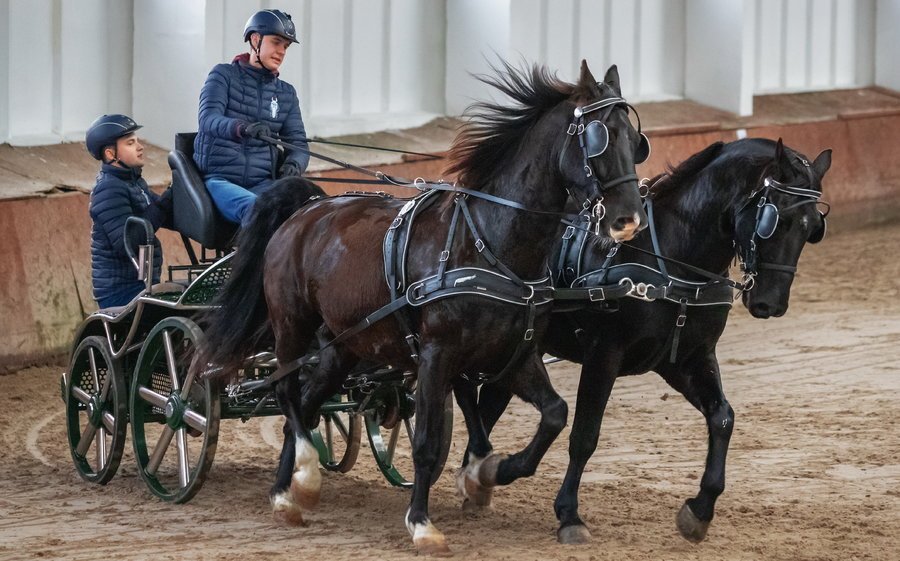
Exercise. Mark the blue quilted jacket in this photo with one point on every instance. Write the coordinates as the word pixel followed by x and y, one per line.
pixel 118 194
pixel 236 93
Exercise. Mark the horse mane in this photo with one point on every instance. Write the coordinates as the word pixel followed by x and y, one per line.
pixel 683 173
pixel 495 131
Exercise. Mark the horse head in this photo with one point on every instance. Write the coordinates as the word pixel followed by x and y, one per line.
pixel 779 218
pixel 599 153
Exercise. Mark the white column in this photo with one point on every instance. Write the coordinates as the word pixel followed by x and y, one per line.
pixel 169 67
pixel 477 32
pixel 31 100
pixel 83 67
pixel 719 53
pixel 887 44
pixel 4 71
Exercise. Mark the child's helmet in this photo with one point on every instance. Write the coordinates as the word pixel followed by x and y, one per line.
pixel 105 131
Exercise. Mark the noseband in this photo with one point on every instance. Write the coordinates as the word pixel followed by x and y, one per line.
pixel 593 139
pixel 767 215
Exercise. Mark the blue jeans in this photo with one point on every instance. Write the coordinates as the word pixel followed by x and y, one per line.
pixel 232 200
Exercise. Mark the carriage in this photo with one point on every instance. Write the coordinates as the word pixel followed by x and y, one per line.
pixel 129 366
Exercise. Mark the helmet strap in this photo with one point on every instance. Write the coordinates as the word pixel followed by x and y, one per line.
pixel 116 161
pixel 257 49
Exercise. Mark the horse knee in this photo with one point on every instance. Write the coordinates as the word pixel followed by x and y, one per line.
pixel 721 423
pixel 555 415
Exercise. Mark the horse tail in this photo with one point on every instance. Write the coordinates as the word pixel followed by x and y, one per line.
pixel 237 323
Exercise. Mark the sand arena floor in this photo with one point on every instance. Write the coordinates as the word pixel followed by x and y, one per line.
pixel 813 468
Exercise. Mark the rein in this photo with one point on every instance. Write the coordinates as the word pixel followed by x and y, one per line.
pixel 420 184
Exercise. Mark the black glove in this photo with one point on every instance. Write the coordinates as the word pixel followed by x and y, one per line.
pixel 290 169
pixel 255 130
pixel 165 201
pixel 159 213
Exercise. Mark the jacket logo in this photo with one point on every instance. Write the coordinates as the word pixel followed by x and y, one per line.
pixel 273 107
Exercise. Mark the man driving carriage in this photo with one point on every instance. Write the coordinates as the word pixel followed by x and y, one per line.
pixel 241 103
pixel 120 192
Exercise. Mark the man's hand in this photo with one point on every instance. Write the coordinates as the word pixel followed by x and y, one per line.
pixel 255 130
pixel 290 169
pixel 165 201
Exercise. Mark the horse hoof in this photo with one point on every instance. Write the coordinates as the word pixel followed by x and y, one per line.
pixel 286 512
pixel 306 498
pixel 427 539
pixel 689 526
pixel 474 506
pixel 574 534
pixel 429 546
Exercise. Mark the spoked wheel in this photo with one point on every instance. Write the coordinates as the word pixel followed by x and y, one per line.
pixel 391 427
pixel 338 436
pixel 174 414
pixel 96 411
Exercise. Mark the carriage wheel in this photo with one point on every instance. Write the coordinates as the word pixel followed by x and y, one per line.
pixel 338 438
pixel 174 415
pixel 391 438
pixel 96 411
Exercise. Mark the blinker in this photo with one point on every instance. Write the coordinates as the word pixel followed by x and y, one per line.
pixel 596 138
pixel 767 221
pixel 643 150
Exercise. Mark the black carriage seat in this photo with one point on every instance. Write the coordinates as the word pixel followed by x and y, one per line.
pixel 196 216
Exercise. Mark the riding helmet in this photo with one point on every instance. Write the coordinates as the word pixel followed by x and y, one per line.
pixel 271 22
pixel 106 130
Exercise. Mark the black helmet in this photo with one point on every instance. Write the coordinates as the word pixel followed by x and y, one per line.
pixel 271 22
pixel 106 130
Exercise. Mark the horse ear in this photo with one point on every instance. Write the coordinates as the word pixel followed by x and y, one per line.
pixel 612 79
pixel 586 78
pixel 822 163
pixel 781 157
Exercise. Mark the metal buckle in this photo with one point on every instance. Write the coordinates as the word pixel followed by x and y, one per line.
pixel 529 334
pixel 479 245
pixel 592 292
pixel 571 130
pixel 530 296
pixel 445 255
pixel 570 231
pixel 396 223
pixel 416 291
pixel 682 318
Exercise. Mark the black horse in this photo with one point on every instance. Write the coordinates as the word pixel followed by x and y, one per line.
pixel 752 198
pixel 325 265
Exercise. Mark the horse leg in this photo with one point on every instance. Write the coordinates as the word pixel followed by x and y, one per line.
pixel 432 388
pixel 701 384
pixel 298 482
pixel 598 374
pixel 285 511
pixel 532 385
pixel 479 446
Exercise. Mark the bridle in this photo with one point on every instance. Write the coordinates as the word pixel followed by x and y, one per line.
pixel 767 215
pixel 593 140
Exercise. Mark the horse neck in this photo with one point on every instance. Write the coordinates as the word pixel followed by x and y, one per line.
pixel 523 240
pixel 695 223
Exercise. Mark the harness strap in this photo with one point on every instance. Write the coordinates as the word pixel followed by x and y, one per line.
pixel 679 323
pixel 445 255
pixel 648 204
pixel 483 248
pixel 776 267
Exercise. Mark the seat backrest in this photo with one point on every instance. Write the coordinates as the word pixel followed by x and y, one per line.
pixel 196 216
